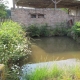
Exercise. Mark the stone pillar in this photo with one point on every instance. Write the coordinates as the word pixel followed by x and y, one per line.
pixel 14 4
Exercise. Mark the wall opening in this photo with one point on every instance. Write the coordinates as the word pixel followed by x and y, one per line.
pixel 37 15
pixel 33 15
pixel 40 15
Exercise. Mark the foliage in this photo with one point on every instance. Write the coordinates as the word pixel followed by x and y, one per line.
pixel 60 31
pixel 2 9
pixel 13 43
pixel 13 47
pixel 38 74
pixel 12 74
pixel 76 29
pixel 54 73
pixel 34 31
pixel 74 32
pixel 45 30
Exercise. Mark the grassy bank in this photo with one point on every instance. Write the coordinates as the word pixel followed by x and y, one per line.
pixel 54 73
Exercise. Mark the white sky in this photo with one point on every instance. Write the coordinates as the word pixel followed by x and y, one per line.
pixel 10 4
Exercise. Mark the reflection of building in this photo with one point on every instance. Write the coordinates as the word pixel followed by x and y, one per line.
pixel 44 12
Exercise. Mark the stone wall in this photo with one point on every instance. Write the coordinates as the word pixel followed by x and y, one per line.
pixel 51 17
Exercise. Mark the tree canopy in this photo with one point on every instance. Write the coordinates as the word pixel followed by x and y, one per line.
pixel 2 9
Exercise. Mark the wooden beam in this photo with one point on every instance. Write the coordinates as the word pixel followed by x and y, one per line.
pixel 55 3
pixel 58 1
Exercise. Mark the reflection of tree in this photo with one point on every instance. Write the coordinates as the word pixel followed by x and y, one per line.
pixel 58 44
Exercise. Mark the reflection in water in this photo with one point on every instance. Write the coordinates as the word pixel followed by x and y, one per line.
pixel 55 48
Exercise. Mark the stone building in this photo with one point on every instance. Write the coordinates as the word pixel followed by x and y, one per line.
pixel 44 12
pixel 39 16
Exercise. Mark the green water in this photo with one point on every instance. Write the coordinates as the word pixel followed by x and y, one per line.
pixel 54 48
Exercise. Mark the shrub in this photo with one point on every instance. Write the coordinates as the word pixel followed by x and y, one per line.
pixel 37 31
pixel 12 42
pixel 34 31
pixel 60 31
pixel 44 31
pixel 76 29
pixel 13 48
pixel 74 32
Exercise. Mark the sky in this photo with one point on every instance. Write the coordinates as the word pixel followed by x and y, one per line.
pixel 10 4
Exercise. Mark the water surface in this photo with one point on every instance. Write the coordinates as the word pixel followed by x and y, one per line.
pixel 54 48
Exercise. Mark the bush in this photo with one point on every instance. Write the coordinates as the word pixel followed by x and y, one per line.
pixel 12 42
pixel 74 32
pixel 34 31
pixel 76 29
pixel 60 31
pixel 44 31
pixel 37 31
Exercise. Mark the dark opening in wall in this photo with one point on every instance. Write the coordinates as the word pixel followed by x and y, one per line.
pixel 40 15
pixel 33 15
pixel 37 15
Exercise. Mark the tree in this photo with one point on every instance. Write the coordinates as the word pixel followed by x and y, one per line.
pixel 3 9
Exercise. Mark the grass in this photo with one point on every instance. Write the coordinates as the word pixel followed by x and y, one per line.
pixel 54 73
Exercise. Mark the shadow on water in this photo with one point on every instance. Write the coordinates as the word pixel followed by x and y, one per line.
pixel 54 48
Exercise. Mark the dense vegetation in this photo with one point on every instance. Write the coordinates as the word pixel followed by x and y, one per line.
pixel 3 12
pixel 58 30
pixel 54 73
pixel 13 46
pixel 46 31
pixel 74 32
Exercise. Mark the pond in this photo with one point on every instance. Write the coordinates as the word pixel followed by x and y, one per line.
pixel 54 48
pixel 62 51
